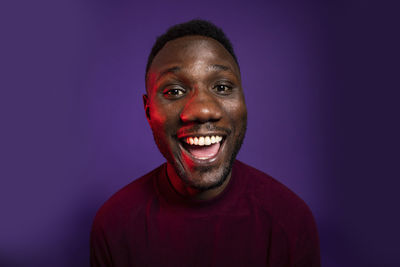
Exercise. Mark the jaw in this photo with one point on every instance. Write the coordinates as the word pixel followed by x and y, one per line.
pixel 196 192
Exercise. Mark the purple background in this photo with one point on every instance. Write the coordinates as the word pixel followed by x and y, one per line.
pixel 319 80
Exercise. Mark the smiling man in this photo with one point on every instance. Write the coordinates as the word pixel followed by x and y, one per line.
pixel 203 207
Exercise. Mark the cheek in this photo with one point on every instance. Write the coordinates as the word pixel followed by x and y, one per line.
pixel 158 126
pixel 162 121
pixel 237 113
pixel 157 115
pixel 165 115
pixel 157 122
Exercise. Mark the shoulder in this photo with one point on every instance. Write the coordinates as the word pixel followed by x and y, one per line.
pixel 272 197
pixel 130 199
pixel 287 212
pixel 267 191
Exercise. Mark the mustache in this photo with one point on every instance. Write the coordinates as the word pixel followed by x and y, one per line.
pixel 208 127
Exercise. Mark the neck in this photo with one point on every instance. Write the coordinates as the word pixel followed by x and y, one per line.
pixel 186 190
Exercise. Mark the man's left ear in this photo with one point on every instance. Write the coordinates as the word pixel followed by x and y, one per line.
pixel 146 106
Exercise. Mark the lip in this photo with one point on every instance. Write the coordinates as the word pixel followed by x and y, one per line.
pixel 198 161
pixel 197 134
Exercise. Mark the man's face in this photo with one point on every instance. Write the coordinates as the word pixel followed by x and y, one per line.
pixel 196 109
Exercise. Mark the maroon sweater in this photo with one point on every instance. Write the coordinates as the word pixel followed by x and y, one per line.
pixel 255 221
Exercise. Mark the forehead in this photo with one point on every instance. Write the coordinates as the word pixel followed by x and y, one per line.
pixel 189 51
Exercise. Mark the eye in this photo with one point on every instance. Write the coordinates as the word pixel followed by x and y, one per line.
pixel 222 88
pixel 173 92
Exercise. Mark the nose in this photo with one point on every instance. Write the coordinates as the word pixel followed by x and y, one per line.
pixel 202 106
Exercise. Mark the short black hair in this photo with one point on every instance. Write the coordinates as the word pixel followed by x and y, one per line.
pixel 192 27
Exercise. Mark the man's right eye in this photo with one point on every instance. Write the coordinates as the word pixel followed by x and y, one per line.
pixel 174 92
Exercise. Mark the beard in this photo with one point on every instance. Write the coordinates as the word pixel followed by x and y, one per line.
pixel 218 178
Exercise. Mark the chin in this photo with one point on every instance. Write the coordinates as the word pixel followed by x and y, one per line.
pixel 205 178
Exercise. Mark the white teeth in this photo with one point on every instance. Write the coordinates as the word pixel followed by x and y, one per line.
pixel 203 140
pixel 207 141
pixel 213 140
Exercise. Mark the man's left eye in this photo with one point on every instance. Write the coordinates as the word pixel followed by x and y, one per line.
pixel 222 88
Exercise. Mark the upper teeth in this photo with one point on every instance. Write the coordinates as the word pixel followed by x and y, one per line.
pixel 203 140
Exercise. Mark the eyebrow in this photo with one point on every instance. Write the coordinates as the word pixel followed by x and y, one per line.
pixel 172 70
pixel 219 67
pixel 175 69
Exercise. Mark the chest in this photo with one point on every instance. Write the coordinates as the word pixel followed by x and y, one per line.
pixel 164 237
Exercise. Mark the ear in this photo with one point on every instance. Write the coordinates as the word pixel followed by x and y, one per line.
pixel 146 106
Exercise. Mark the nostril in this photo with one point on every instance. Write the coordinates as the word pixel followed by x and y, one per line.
pixel 201 114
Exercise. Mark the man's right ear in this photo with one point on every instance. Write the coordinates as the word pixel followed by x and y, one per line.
pixel 146 106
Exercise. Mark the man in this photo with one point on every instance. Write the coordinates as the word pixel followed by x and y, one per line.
pixel 201 208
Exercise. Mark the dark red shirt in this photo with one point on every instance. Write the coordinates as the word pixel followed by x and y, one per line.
pixel 255 221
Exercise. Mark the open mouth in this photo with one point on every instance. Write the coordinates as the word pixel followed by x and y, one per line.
pixel 203 147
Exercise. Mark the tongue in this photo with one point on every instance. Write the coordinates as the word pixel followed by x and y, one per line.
pixel 204 151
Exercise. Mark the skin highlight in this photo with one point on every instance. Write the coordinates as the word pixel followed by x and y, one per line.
pixel 194 89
